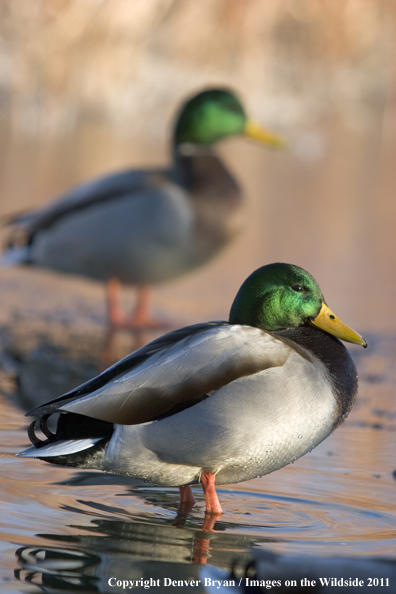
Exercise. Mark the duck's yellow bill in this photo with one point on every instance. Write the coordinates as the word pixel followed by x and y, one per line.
pixel 254 130
pixel 329 322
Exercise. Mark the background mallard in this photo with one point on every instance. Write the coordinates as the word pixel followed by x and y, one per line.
pixel 143 227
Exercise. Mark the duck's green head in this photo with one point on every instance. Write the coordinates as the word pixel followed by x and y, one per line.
pixel 215 114
pixel 280 296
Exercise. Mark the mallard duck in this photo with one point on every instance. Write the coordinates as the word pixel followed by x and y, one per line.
pixel 143 227
pixel 216 402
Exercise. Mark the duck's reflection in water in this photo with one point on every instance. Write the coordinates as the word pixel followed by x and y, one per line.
pixel 56 570
pixel 162 552
pixel 104 555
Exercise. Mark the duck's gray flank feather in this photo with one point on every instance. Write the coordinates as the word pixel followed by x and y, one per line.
pixel 195 366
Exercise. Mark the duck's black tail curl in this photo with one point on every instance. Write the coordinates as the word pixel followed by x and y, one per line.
pixel 77 440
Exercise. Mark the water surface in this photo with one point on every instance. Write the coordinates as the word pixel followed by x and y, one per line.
pixel 62 528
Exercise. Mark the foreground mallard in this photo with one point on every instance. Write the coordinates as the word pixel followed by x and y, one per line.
pixel 218 402
pixel 146 226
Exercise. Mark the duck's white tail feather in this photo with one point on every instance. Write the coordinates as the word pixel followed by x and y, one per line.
pixel 62 447
pixel 15 256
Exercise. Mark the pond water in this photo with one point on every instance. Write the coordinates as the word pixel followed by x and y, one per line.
pixel 64 530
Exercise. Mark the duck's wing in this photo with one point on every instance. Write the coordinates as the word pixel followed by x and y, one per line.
pixel 171 373
pixel 85 195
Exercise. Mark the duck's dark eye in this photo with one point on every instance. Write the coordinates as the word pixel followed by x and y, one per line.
pixel 297 288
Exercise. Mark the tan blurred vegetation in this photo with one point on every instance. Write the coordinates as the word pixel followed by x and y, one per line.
pixel 129 63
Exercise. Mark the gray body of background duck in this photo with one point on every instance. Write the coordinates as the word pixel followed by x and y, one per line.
pixel 143 227
pixel 219 402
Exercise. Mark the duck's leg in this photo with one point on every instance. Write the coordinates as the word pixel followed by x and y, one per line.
pixel 141 316
pixel 212 501
pixel 114 311
pixel 186 503
pixel 186 495
pixel 212 514
pixel 140 319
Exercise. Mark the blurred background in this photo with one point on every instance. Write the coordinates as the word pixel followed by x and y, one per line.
pixel 88 88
